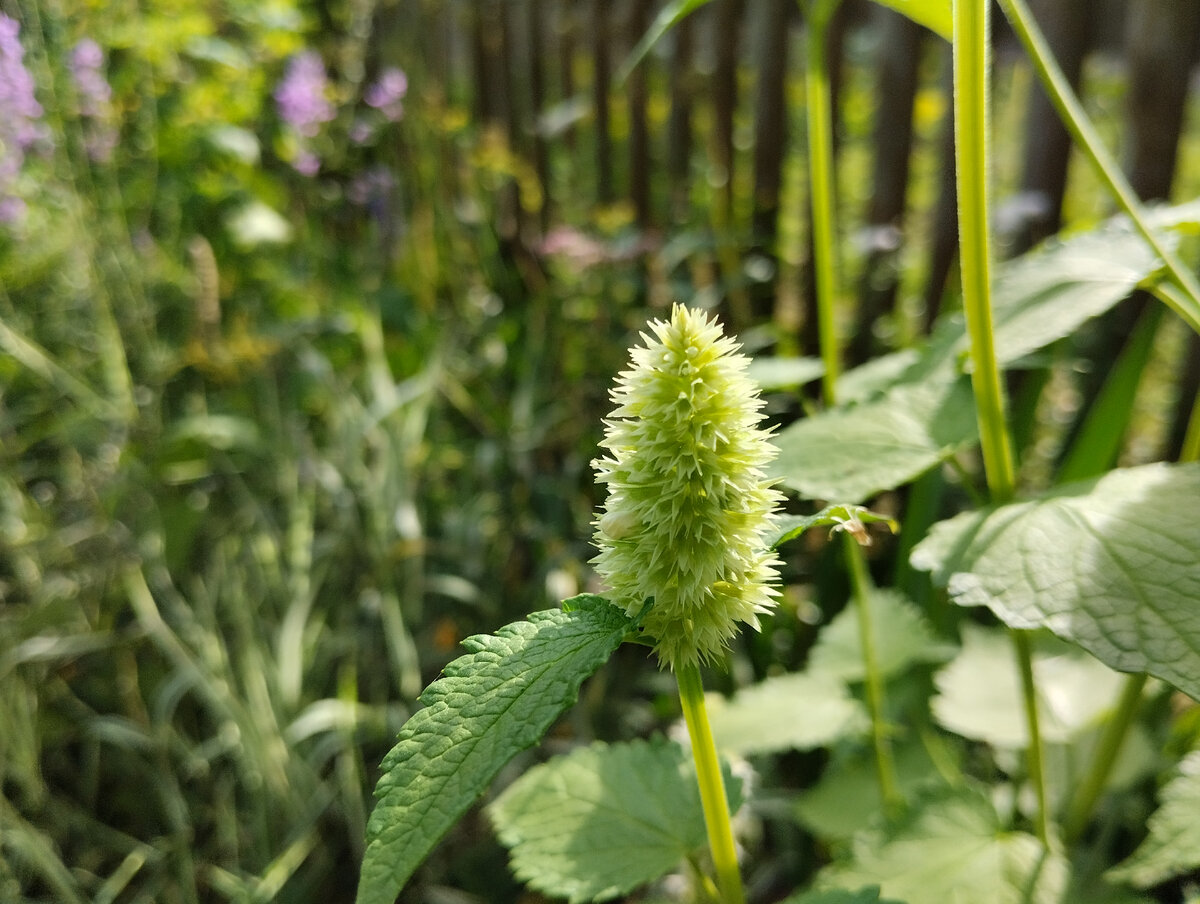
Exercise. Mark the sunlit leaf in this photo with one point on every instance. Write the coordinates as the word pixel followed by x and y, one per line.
pixel 1173 846
pixel 797 711
pixel 853 519
pixel 902 638
pixel 784 373
pixel 954 849
pixel 841 896
pixel 1110 564
pixel 979 693
pixel 853 453
pixel 492 703
pixel 604 820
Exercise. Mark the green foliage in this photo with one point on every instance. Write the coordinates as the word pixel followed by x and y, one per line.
pixel 1108 564
pixel 797 711
pixel 904 638
pixel 952 848
pixel 840 896
pixel 488 706
pixel 1173 845
pixel 604 820
pixel 936 15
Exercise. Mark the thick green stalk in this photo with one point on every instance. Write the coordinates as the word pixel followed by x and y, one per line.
pixel 860 581
pixel 1073 116
pixel 971 157
pixel 712 785
pixel 821 184
pixel 821 181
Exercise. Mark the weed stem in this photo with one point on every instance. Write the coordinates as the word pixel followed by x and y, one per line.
pixel 712 785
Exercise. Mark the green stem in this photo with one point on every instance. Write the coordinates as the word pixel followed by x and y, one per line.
pixel 1071 111
pixel 821 182
pixel 860 581
pixel 1093 784
pixel 712 785
pixel 1035 755
pixel 971 156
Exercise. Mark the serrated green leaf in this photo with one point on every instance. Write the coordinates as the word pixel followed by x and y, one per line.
pixel 492 703
pixel 850 518
pixel 1110 564
pixel 784 373
pixel 902 638
pixel 847 798
pixel 1173 845
pixel 935 15
pixel 979 693
pixel 841 896
pixel 954 849
pixel 787 712
pixel 853 453
pixel 603 820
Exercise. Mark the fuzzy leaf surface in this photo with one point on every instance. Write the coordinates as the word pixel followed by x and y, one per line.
pixel 954 849
pixel 488 705
pixel 799 711
pixel 1110 564
pixel 603 820
pixel 1173 846
pixel 902 638
pixel 854 452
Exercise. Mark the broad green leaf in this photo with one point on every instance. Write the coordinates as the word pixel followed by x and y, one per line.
pixel 853 453
pixel 954 849
pixel 788 712
pixel 1110 564
pixel 979 693
pixel 841 896
pixel 784 373
pixel 847 798
pixel 488 705
pixel 1173 845
pixel 933 14
pixel 902 638
pixel 603 820
pixel 853 519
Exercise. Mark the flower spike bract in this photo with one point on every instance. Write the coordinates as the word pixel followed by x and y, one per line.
pixel 689 506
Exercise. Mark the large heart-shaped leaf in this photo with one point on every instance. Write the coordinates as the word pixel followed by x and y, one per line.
pixel 1110 564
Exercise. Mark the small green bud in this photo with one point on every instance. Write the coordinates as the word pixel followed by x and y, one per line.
pixel 689 506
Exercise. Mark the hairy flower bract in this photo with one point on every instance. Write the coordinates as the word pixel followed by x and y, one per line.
pixel 689 506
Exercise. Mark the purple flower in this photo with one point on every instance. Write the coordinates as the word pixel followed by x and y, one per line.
pixel 95 98
pixel 388 92
pixel 19 115
pixel 300 96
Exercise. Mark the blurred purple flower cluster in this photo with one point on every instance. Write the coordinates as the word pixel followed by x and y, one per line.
pixel 386 94
pixel 95 98
pixel 19 115
pixel 302 103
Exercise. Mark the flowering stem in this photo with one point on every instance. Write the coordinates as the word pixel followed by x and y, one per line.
pixel 971 156
pixel 712 785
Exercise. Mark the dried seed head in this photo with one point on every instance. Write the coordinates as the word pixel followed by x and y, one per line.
pixel 689 506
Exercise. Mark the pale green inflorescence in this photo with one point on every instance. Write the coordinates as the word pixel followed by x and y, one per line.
pixel 689 506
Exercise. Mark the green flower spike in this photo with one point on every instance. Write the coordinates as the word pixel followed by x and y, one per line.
pixel 689 506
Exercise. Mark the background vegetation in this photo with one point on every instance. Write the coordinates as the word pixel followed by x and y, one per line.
pixel 300 385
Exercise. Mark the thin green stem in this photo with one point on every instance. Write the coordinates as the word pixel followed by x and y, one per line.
pixel 712 785
pixel 1105 756
pixel 821 183
pixel 860 580
pixel 971 156
pixel 1071 111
